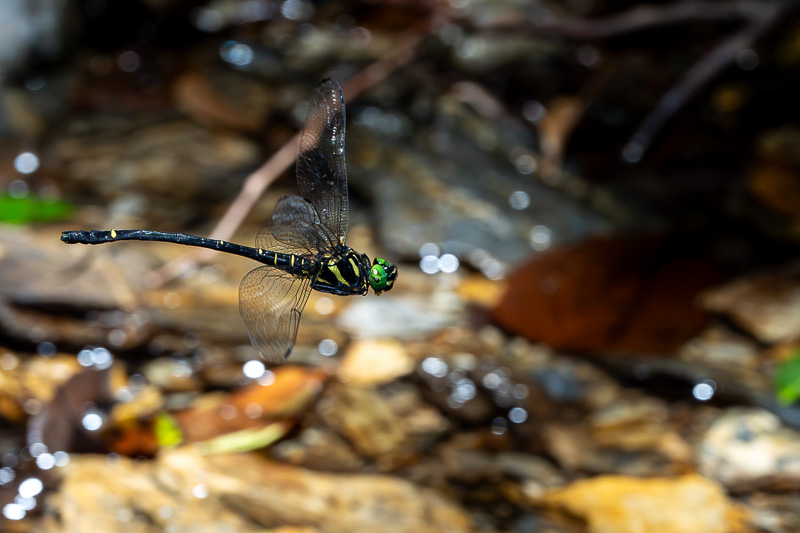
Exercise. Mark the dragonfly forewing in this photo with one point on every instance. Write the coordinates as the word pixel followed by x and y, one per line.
pixel 321 173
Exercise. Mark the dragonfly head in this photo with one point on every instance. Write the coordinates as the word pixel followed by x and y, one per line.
pixel 382 275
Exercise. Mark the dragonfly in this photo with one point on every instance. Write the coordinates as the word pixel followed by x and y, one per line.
pixel 302 247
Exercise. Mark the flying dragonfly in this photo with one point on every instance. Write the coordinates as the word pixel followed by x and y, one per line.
pixel 302 246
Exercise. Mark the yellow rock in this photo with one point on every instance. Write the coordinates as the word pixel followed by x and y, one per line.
pixel 477 290
pixel 620 504
pixel 371 362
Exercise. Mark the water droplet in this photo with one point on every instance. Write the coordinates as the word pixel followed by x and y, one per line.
pixel 191 340
pixel 36 83
pixel 429 264
pixel 85 358
pixel 27 503
pixel 237 54
pixel 328 347
pixel 267 379
pixel 46 461
pixel 465 390
pixel 32 406
pixel 26 163
pixel 92 421
pixel 253 411
pixel 519 392
pixel 13 511
pixel 429 248
pixel 588 56
pixel 46 349
pixel 102 358
pixel 448 263
pixel 454 402
pixel 533 111
pixel 297 10
pixel 704 391
pixel 18 189
pixel 525 164
pixel 254 369
pixel 7 475
pixel 200 491
pixel 492 380
pixel 181 367
pixel 519 200
pixel 8 361
pixel 633 152
pixel 62 458
pixel 435 367
pixel 499 426
pixel 37 448
pixel 30 487
pixel 541 237
pixel 747 59
pixel 324 305
pixel 208 20
pixel 518 415
pixel 129 61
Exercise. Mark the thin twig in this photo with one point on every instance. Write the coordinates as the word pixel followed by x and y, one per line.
pixel 700 74
pixel 757 15
pixel 638 18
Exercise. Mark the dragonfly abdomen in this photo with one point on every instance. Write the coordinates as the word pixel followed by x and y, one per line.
pixel 100 237
pixel 291 263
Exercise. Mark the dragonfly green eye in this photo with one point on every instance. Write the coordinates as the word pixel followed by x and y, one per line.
pixel 382 275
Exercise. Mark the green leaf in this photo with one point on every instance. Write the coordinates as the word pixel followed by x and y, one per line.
pixel 246 440
pixel 787 380
pixel 32 209
pixel 168 434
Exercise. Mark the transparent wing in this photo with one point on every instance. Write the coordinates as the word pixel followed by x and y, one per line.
pixel 295 228
pixel 321 174
pixel 271 302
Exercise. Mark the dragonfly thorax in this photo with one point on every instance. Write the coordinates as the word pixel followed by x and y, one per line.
pixel 345 274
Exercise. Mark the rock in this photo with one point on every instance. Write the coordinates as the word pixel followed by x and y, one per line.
pixel 719 347
pixel 32 31
pixel 401 316
pixel 659 505
pixel 365 418
pixel 136 164
pixel 120 494
pixel 271 494
pixel 226 98
pixel 372 362
pixel 747 448
pixel 767 304
pixel 318 448
pixel 186 491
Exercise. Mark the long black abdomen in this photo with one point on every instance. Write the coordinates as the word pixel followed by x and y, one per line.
pixel 293 264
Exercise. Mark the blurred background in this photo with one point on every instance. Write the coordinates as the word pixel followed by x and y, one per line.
pixel 594 206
